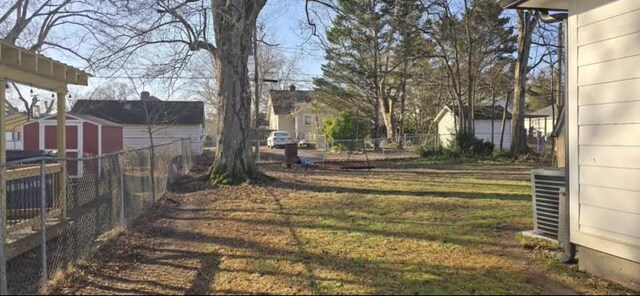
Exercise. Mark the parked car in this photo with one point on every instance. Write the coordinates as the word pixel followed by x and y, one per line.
pixel 278 139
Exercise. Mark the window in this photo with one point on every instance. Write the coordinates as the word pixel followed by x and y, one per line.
pixel 16 136
pixel 308 120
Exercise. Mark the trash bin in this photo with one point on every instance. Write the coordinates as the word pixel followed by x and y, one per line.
pixel 290 154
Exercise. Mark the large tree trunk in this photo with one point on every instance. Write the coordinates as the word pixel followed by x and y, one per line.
pixel 526 24
pixel 234 22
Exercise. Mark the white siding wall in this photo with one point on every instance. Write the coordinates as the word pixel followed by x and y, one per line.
pixel 304 131
pixel 13 144
pixel 273 120
pixel 483 131
pixel 287 123
pixel 136 136
pixel 447 129
pixel 604 125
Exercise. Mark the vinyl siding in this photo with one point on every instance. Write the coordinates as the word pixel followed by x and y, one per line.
pixel 604 125
pixel 446 131
pixel 305 131
pixel 137 136
pixel 483 131
pixel 286 123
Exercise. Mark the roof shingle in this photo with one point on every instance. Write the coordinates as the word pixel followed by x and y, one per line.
pixel 284 101
pixel 143 112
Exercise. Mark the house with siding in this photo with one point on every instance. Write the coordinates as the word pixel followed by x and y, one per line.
pixel 167 121
pixel 487 123
pixel 602 130
pixel 294 111
pixel 13 130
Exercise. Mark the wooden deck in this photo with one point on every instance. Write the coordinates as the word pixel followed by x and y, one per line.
pixel 20 242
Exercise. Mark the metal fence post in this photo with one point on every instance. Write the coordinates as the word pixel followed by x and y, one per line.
pixel 43 220
pixel 121 173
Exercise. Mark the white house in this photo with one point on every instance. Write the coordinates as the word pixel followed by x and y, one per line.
pixel 488 125
pixel 294 111
pixel 167 120
pixel 603 132
pixel 13 132
pixel 542 120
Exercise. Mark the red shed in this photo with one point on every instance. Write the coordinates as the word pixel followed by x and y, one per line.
pixel 86 136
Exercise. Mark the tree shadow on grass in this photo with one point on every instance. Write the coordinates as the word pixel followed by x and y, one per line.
pixel 292 185
pixel 379 275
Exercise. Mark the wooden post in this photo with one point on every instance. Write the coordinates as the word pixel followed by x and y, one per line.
pixel 3 188
pixel 62 149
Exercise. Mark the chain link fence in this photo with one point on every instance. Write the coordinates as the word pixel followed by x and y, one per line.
pixel 318 149
pixel 100 194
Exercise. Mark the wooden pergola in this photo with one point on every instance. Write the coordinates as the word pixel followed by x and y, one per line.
pixel 32 69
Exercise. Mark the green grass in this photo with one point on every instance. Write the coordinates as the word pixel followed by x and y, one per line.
pixel 405 228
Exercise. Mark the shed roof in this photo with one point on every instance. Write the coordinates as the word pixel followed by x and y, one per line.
pixel 143 111
pixel 15 120
pixel 549 111
pixel 89 118
pixel 284 101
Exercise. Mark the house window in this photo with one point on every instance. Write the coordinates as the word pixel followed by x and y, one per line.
pixel 308 120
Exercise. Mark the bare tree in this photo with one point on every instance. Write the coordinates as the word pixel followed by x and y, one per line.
pixel 116 91
pixel 271 69
pixel 527 22
pixel 175 30
pixel 48 25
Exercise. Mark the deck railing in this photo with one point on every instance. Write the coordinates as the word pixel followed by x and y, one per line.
pixel 24 194
pixel 48 227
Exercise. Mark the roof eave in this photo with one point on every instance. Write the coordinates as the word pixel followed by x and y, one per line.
pixel 560 5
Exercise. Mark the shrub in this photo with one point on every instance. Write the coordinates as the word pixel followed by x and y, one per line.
pixel 465 147
pixel 472 146
pixel 500 154
pixel 342 129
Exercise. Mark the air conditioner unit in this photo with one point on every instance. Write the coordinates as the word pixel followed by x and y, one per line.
pixel 546 185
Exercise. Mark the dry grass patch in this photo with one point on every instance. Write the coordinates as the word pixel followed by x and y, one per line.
pixel 404 228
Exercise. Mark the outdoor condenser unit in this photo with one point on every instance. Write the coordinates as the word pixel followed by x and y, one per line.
pixel 546 185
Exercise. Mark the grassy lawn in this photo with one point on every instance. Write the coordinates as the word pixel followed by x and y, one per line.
pixel 408 228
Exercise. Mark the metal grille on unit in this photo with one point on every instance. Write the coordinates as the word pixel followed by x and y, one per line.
pixel 546 195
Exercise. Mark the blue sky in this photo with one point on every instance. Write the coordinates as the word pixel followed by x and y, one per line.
pixel 286 20
pixel 286 25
